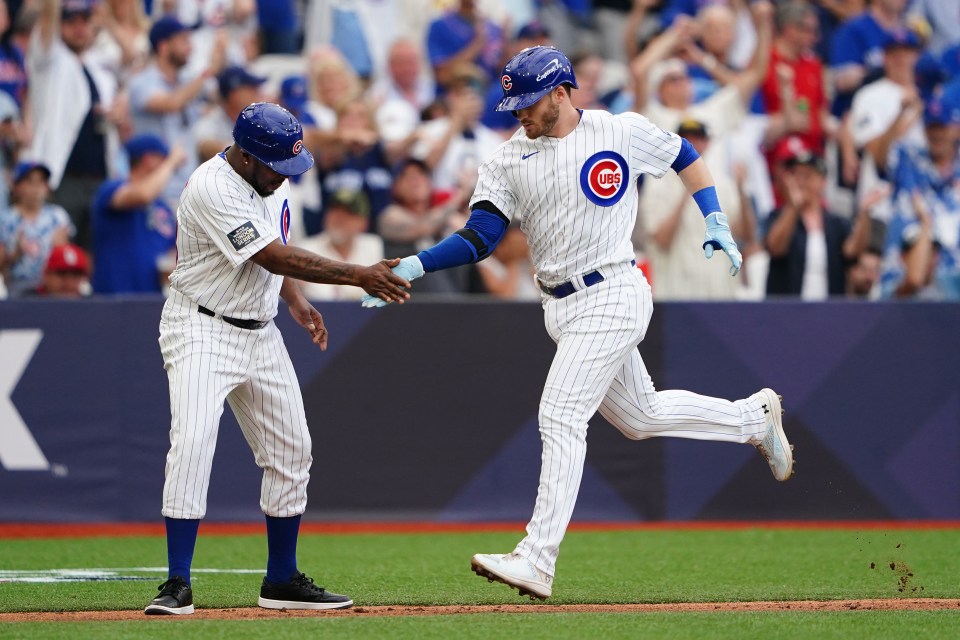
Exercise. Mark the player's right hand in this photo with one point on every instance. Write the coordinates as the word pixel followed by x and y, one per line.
pixel 384 283
pixel 409 268
pixel 718 236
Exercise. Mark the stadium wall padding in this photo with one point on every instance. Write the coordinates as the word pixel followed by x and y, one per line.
pixel 429 412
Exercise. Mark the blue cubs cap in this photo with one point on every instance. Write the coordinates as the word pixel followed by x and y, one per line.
pixel 144 143
pixel 532 30
pixel 937 112
pixel 532 74
pixel 272 135
pixel 71 8
pixel 23 168
pixel 905 38
pixel 164 29
pixel 293 92
pixel 233 78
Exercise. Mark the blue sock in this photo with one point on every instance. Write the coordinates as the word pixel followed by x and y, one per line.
pixel 181 539
pixel 282 548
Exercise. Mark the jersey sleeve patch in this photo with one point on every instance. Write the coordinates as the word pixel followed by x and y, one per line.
pixel 243 235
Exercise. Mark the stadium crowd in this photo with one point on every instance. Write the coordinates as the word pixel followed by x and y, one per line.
pixel 831 127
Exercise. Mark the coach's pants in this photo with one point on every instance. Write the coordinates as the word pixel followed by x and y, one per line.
pixel 597 366
pixel 209 361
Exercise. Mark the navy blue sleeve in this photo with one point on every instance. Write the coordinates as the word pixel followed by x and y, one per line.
pixel 687 156
pixel 478 238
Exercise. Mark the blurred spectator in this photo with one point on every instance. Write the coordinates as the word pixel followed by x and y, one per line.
pixel 401 96
pixel 864 275
pixel 508 272
pixel 920 254
pixel 456 144
pixel 238 88
pixel 12 134
pixel 280 27
pixel 464 36
pixel 332 83
pixel 344 238
pixel 134 229
pixel 66 273
pixel 407 81
pixel 641 24
pixel 709 64
pixel 587 68
pixel 164 102
pixel 122 45
pixel 29 229
pixel 356 161
pixel 674 229
pixel 232 22
pixel 943 18
pixel 13 71
pixel 810 248
pixel 856 55
pixel 793 91
pixel 887 110
pixel 610 20
pixel 926 180
pixel 360 30
pixel 70 99
pixel 415 220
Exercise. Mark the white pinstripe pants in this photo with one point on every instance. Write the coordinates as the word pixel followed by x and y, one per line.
pixel 209 361
pixel 597 366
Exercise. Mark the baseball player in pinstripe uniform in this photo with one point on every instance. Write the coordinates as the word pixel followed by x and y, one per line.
pixel 219 343
pixel 569 176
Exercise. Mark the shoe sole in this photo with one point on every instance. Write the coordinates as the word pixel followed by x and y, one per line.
pixel 775 400
pixel 267 603
pixel 492 576
pixel 160 610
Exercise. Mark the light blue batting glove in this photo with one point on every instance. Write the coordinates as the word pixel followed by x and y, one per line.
pixel 410 268
pixel 718 237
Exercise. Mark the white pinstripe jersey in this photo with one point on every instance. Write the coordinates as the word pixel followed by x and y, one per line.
pixel 222 221
pixel 576 196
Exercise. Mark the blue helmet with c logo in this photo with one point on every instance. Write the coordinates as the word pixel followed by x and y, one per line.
pixel 532 74
pixel 272 135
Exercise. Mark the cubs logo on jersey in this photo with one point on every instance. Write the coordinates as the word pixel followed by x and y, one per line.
pixel 285 222
pixel 604 178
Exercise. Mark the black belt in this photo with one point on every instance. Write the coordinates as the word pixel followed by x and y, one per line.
pixel 565 289
pixel 243 324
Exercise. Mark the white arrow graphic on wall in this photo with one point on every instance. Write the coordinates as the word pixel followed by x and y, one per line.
pixel 18 450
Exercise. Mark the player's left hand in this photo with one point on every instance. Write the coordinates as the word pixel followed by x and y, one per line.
pixel 409 268
pixel 311 320
pixel 718 237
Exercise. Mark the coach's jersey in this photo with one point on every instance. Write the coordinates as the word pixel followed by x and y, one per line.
pixel 576 196
pixel 222 222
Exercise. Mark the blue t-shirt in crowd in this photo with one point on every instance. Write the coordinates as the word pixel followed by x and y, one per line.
pixel 128 242
pixel 13 73
pixel 277 14
pixel 858 41
pixel 368 172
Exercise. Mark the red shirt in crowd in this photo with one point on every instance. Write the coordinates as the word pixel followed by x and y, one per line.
pixel 808 89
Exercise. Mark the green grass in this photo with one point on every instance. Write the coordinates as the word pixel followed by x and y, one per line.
pixel 594 567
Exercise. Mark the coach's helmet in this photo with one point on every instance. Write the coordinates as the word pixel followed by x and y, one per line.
pixel 532 74
pixel 272 135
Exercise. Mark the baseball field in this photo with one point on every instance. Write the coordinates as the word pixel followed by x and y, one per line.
pixel 850 580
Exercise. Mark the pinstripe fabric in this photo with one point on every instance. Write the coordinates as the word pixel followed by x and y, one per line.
pixel 208 362
pixel 563 191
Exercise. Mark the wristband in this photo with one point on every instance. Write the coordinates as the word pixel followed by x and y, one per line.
pixel 707 200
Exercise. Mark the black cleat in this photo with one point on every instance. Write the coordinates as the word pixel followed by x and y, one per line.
pixel 300 593
pixel 176 599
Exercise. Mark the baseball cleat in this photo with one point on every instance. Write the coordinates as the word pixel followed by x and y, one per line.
pixel 513 571
pixel 300 593
pixel 774 446
pixel 175 599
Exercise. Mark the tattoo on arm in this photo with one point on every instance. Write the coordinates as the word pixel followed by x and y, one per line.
pixel 304 265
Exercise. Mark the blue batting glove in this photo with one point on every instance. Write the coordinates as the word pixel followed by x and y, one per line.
pixel 718 237
pixel 410 268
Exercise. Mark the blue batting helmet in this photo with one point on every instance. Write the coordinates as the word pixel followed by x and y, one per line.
pixel 531 74
pixel 272 135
